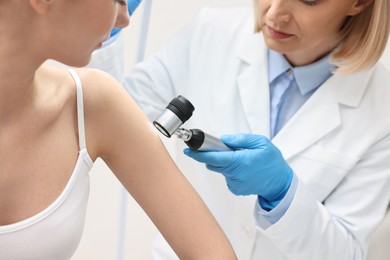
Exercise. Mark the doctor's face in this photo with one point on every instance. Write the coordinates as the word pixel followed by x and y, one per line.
pixel 304 30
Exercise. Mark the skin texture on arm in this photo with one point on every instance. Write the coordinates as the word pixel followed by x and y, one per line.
pixel 119 133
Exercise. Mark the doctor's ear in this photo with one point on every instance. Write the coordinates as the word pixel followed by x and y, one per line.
pixel 359 6
pixel 40 6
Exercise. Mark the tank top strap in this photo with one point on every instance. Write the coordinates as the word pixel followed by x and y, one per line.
pixel 80 108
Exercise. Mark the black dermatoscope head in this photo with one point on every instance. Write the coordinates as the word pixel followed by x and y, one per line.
pixel 178 111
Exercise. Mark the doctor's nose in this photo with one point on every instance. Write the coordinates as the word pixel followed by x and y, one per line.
pixel 122 18
pixel 278 12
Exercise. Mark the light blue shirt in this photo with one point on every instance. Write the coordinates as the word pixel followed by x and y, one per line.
pixel 290 87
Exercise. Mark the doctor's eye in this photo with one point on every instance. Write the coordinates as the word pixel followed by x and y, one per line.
pixel 121 2
pixel 310 2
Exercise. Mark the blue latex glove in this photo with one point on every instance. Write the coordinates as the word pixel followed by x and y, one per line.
pixel 256 167
pixel 131 6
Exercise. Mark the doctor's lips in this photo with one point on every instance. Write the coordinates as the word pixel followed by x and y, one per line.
pixel 277 34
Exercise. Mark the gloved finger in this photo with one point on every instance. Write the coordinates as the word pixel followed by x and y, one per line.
pixel 246 141
pixel 219 169
pixel 132 5
pixel 226 171
pixel 214 158
pixel 233 189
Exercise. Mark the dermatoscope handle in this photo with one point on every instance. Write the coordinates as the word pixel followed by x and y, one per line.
pixel 202 141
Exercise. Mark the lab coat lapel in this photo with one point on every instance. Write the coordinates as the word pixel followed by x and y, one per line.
pixel 321 113
pixel 253 83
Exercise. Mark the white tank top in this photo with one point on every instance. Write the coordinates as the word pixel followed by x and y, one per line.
pixel 55 232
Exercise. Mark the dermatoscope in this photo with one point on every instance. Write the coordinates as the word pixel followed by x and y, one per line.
pixel 169 122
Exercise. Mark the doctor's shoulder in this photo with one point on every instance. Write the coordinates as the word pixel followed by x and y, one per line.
pixel 223 22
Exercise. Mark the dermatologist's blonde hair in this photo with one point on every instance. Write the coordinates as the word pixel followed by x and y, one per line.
pixel 363 37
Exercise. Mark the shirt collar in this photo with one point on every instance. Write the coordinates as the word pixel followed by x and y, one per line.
pixel 308 77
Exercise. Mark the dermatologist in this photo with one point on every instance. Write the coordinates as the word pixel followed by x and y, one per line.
pixel 303 102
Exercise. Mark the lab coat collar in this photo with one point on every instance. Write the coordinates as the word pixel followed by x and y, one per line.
pixel 251 81
pixel 320 115
pixel 351 88
pixel 251 49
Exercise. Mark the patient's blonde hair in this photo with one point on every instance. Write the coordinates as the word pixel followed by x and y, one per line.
pixel 363 37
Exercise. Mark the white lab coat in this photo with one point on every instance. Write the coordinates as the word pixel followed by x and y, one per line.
pixel 338 143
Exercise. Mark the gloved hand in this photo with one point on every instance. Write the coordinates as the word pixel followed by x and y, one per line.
pixel 256 167
pixel 131 6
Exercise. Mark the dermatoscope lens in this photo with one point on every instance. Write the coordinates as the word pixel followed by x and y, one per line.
pixel 178 111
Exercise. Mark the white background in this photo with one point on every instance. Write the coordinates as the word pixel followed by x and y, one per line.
pixel 100 236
